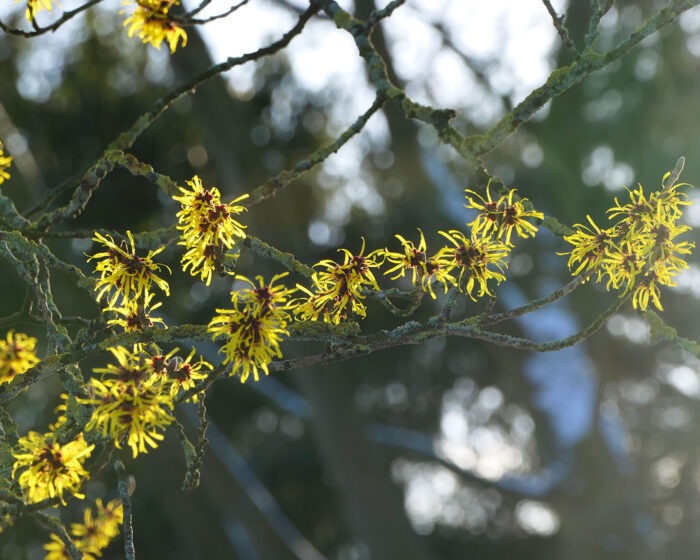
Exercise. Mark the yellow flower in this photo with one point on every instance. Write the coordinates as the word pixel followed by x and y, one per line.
pixel 500 217
pixel 123 272
pixel 34 7
pixel 668 203
pixel 590 246
pixel 16 355
pixel 91 536
pixel 56 550
pixel 635 214
pixel 183 374
pixel 413 258
pixel 265 299
pixel 339 286
pixel 622 264
pixel 5 162
pixel 646 291
pixel 438 270
pixel 207 228
pixel 98 530
pixel 132 402
pixel 425 270
pixel 663 247
pixel 254 328
pixel 153 24
pixel 135 315
pixel 642 213
pixel 48 469
pixel 478 259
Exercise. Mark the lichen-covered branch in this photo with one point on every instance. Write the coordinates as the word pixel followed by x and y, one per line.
pixel 125 140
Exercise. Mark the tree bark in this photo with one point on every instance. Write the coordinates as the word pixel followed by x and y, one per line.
pixel 372 503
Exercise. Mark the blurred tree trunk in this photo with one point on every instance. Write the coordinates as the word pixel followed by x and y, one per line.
pixel 222 501
pixel 372 503
pixel 218 114
pixel 408 166
pixel 234 504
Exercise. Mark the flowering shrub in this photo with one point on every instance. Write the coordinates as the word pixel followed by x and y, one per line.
pixel 129 405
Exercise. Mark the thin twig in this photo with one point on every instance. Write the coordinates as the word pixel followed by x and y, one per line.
pixel 125 487
pixel 125 140
pixel 471 331
pixel 284 178
pixel 53 27
pixel 535 304
pixel 188 19
pixel 54 525
pixel 65 186
pixel 287 260
pixel 661 332
pixel 600 8
pixel 558 22
pixel 203 4
pixel 414 333
pixel 378 15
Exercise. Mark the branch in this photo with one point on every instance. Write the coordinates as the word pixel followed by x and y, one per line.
pixel 55 25
pixel 661 332
pixel 600 8
pixel 81 195
pixel 125 487
pixel 561 80
pixel 125 140
pixel 54 525
pixel 519 343
pixel 189 19
pixel 414 333
pixel 139 169
pixel 258 494
pixel 271 186
pixel 474 147
pixel 203 4
pixel 558 22
pixel 378 15
pixel 287 260
pixel 536 304
pixel 84 348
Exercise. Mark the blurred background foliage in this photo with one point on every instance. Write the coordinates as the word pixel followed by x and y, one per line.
pixel 455 449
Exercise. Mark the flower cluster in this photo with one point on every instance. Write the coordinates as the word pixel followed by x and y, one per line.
pixel 123 274
pixel 339 287
pixel 478 259
pixel 639 251
pixel 253 329
pixel 126 279
pixel 153 23
pixel 499 218
pixel 474 261
pixel 425 270
pixel 91 536
pixel 47 469
pixel 5 162
pixel 208 228
pixel 16 355
pixel 134 399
